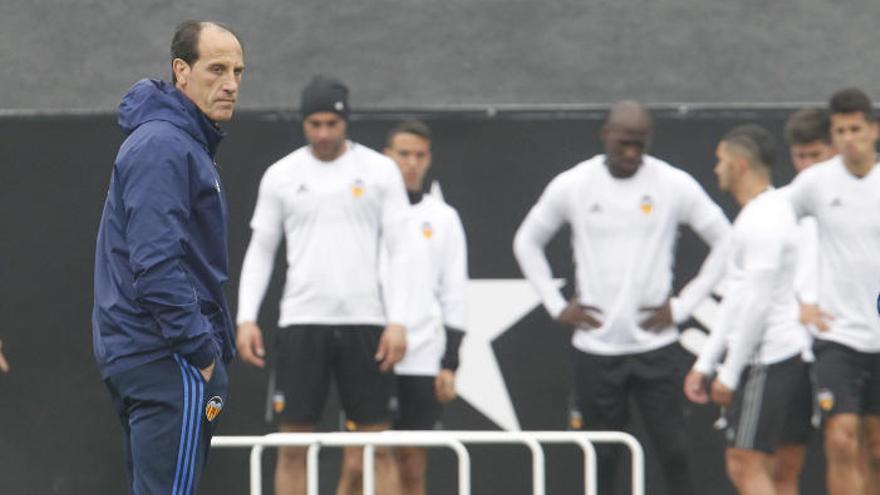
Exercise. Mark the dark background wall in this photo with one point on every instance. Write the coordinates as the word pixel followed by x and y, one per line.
pixel 413 53
pixel 58 434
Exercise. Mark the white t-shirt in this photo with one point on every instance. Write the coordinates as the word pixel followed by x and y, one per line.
pixel 438 276
pixel 846 211
pixel 758 320
pixel 334 215
pixel 623 238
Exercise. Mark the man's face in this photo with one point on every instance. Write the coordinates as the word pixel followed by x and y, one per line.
pixel 624 148
pixel 413 156
pixel 725 167
pixel 325 132
pixel 807 154
pixel 854 136
pixel 212 81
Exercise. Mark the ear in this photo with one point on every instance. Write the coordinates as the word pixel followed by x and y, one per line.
pixel 387 151
pixel 742 164
pixel 181 71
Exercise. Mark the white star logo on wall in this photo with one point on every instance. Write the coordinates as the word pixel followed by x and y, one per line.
pixel 694 339
pixel 494 306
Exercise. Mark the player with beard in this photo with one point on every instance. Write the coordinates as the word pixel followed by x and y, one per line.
pixel 763 384
pixel 337 203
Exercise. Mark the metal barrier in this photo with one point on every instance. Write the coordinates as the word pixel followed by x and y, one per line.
pixel 454 440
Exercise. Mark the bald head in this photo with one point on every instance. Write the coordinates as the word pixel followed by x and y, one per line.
pixel 629 114
pixel 626 135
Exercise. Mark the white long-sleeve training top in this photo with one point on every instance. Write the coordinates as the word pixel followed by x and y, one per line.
pixel 714 269
pixel 845 208
pixel 623 238
pixel 334 216
pixel 758 320
pixel 806 275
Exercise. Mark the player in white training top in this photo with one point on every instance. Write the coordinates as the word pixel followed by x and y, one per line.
pixel 763 382
pixel 336 203
pixel 843 195
pixel 436 320
pixel 624 208
pixel 809 143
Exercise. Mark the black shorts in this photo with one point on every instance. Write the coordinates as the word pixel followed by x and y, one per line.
pixel 771 406
pixel 417 404
pixel 847 381
pixel 306 356
pixel 604 385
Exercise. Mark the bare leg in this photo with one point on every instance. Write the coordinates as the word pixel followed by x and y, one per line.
pixel 750 471
pixel 352 477
pixel 788 462
pixel 845 472
pixel 387 477
pixel 290 471
pixel 412 463
pixel 872 436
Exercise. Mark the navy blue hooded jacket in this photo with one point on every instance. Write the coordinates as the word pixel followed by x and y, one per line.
pixel 161 256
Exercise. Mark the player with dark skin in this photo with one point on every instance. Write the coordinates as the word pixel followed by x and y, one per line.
pixel 626 136
pixel 622 312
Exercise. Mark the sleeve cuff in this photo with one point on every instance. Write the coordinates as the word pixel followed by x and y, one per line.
pixel 243 318
pixel 810 299
pixel 396 321
pixel 701 366
pixel 554 308
pixel 728 378
pixel 450 359
pixel 679 316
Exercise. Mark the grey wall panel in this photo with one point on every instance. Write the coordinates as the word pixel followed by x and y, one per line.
pixel 84 54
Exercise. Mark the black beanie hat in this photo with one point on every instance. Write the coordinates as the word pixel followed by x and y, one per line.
pixel 325 94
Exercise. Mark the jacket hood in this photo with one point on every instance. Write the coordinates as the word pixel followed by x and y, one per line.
pixel 150 100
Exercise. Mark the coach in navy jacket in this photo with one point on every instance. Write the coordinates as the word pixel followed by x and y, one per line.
pixel 161 327
pixel 161 259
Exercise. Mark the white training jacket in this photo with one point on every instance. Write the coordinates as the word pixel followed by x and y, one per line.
pixel 438 280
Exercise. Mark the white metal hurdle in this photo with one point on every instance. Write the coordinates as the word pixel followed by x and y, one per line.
pixel 454 440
